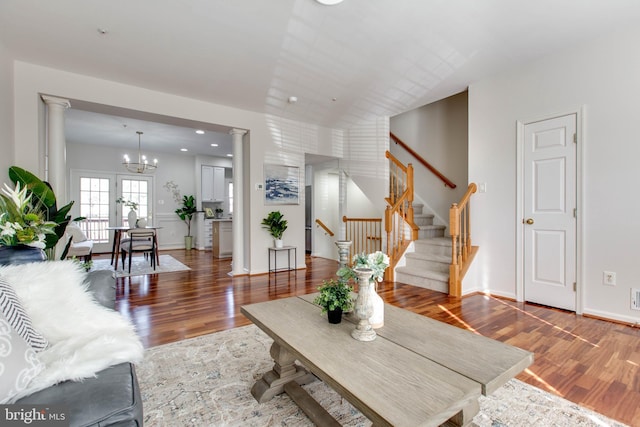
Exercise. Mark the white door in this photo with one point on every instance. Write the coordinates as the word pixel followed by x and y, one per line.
pixel 95 195
pixel 549 200
pixel 135 188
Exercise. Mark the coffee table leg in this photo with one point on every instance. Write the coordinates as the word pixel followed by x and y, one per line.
pixel 284 370
pixel 465 416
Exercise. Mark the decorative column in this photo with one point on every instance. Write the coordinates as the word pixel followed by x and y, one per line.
pixel 342 202
pixel 364 306
pixel 237 265
pixel 56 147
pixel 343 252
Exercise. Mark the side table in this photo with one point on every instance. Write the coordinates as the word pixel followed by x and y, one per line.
pixel 288 249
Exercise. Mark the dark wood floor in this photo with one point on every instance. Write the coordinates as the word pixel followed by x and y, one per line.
pixel 591 362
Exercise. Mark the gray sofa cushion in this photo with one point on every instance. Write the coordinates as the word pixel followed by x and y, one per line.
pixel 103 286
pixel 112 398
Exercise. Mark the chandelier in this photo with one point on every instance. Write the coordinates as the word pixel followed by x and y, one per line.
pixel 142 165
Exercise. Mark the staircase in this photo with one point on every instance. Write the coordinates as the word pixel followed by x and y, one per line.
pixel 428 266
pixel 436 262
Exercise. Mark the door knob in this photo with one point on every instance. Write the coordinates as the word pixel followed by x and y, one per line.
pixel 529 221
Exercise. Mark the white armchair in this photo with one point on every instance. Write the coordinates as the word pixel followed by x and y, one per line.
pixel 80 245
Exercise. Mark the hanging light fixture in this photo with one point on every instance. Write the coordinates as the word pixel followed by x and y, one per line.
pixel 143 164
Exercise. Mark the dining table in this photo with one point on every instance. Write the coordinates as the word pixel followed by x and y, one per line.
pixel 117 238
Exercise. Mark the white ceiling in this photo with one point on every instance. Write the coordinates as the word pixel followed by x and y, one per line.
pixel 117 128
pixel 346 63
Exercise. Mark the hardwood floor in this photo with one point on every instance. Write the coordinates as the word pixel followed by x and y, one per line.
pixel 591 362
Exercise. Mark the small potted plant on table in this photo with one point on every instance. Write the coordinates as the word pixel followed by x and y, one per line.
pixel 335 298
pixel 276 225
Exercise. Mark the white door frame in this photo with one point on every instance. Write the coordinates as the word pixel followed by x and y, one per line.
pixel 580 129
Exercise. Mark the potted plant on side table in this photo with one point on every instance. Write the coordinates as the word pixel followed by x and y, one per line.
pixel 334 298
pixel 186 213
pixel 276 225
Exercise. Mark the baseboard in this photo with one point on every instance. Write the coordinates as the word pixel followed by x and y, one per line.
pixel 612 317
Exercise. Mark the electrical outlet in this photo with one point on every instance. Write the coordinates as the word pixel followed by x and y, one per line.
pixel 635 299
pixel 609 278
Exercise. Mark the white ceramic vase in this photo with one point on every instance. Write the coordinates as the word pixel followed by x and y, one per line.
pixel 132 217
pixel 142 223
pixel 377 318
pixel 278 243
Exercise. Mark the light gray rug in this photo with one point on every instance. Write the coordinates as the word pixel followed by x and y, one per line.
pixel 140 266
pixel 206 381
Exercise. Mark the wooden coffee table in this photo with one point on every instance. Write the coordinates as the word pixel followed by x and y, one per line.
pixel 418 371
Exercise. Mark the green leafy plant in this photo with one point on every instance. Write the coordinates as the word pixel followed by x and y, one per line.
pixel 20 223
pixel 128 203
pixel 275 224
pixel 334 294
pixel 377 261
pixel 187 211
pixel 43 203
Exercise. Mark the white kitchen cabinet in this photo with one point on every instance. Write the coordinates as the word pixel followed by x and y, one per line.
pixel 218 184
pixel 212 184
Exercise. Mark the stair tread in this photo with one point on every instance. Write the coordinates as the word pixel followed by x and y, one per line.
pixel 432 227
pixel 420 272
pixel 429 257
pixel 441 241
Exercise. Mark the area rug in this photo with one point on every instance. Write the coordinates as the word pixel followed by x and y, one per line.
pixel 140 266
pixel 206 381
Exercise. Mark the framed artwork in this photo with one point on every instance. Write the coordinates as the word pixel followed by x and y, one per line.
pixel 281 185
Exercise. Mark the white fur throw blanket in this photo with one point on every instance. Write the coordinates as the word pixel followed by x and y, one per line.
pixel 84 336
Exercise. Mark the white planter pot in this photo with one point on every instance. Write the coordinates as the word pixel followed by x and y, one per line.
pixel 278 243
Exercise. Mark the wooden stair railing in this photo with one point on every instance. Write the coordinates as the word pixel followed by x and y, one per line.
pixel 365 235
pixel 462 252
pixel 418 157
pixel 398 219
pixel 326 229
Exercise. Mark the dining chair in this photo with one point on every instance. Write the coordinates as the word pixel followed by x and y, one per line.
pixel 140 240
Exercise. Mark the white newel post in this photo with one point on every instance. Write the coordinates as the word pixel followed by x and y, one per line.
pixel 56 147
pixel 237 267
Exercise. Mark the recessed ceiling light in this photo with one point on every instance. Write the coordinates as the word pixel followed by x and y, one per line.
pixel 329 2
pixel 200 132
pixel 214 145
pixel 229 155
pixel 183 149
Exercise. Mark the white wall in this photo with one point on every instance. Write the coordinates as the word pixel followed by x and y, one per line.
pixel 365 161
pixel 177 168
pixel 272 139
pixel 602 76
pixel 326 187
pixel 6 114
pixel 438 132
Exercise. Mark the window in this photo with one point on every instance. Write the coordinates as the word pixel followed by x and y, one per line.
pixel 135 190
pixel 94 206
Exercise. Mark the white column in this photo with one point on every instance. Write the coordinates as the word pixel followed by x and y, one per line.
pixel 342 203
pixel 238 209
pixel 56 147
